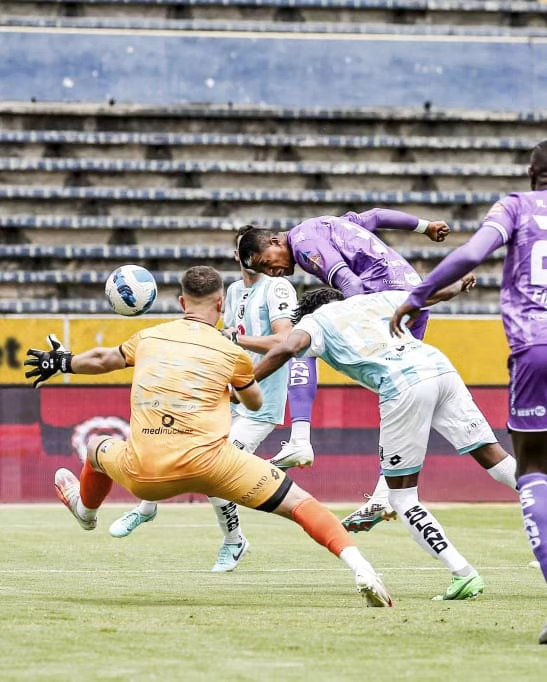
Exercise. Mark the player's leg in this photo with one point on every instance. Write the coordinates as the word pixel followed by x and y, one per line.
pixel 302 389
pixel 253 482
pixel 84 497
pixel 531 451
pixel 246 434
pixel 405 424
pixel 298 505
pixel 528 426
pixel 458 418
pixel 376 508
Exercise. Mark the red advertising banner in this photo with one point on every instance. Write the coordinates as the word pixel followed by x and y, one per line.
pixel 43 430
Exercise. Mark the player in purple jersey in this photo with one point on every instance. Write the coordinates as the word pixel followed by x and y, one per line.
pixel 519 221
pixel 342 252
pixel 345 253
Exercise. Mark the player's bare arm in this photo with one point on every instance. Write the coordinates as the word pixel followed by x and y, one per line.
pixel 47 364
pixel 250 396
pixel 297 342
pixel 261 344
pixel 463 285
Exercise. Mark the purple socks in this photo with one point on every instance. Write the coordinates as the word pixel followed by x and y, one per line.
pixel 533 500
pixel 302 388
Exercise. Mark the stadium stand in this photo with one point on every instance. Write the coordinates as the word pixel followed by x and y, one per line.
pixel 86 185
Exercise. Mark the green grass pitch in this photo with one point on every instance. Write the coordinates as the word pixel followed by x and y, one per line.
pixel 83 606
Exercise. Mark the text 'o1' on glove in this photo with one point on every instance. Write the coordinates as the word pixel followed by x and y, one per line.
pixel 47 364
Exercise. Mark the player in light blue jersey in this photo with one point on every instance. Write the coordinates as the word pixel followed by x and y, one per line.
pixel 257 316
pixel 418 388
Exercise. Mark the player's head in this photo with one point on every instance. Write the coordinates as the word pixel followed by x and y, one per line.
pixel 242 231
pixel 313 300
pixel 202 290
pixel 537 172
pixel 266 251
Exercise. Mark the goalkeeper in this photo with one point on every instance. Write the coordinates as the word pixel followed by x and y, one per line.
pixel 180 420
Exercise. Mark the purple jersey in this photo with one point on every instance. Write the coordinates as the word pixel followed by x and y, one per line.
pixel 521 220
pixel 518 220
pixel 344 252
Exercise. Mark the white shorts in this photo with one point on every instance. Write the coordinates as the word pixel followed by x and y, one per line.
pixel 248 434
pixel 442 403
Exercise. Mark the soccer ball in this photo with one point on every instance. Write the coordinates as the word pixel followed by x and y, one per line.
pixel 131 290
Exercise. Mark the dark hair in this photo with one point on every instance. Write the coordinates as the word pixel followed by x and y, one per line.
pixel 201 281
pixel 313 300
pixel 242 231
pixel 538 164
pixel 252 242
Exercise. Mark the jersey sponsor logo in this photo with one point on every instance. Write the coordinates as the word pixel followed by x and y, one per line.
pixel 255 489
pixel 430 534
pixel 281 290
pixel 537 411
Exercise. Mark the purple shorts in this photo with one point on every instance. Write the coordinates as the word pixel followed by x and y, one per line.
pixel 528 389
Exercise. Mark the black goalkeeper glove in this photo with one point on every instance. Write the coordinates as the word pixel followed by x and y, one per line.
pixel 48 364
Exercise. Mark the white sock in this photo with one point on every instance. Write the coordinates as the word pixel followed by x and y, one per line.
pixel 505 472
pixel 147 508
pixel 85 512
pixel 300 430
pixel 353 558
pixel 381 490
pixel 228 520
pixel 425 529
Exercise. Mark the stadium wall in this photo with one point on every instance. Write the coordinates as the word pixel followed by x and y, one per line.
pixel 172 67
pixel 42 430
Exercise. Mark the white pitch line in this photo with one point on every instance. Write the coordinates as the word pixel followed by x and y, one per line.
pixel 175 571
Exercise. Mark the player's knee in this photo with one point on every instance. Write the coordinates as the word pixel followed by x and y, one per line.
pixel 93 446
pixel 295 496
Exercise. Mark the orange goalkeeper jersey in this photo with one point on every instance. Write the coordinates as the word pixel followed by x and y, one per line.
pixel 180 407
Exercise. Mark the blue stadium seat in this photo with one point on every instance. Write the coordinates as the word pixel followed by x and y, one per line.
pixel 354 198
pixel 76 222
pixel 97 165
pixel 97 139
pixel 171 253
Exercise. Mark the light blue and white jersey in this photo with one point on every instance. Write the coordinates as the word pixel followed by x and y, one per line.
pixel 252 310
pixel 353 337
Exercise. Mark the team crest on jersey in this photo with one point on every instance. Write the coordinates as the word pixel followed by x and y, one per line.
pixel 281 291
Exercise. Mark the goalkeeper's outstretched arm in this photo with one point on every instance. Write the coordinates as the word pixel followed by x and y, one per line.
pixel 46 364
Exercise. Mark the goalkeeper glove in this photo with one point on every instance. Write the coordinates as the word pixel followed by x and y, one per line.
pixel 47 364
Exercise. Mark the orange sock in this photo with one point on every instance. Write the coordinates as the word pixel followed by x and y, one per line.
pixel 322 525
pixel 94 486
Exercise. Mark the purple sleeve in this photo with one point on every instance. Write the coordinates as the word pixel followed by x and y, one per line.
pixel 321 258
pixel 383 218
pixel 457 264
pixel 345 281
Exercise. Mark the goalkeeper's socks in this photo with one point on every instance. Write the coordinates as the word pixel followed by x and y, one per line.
pixel 533 501
pixel 322 525
pixel 228 519
pixel 425 529
pixel 94 487
pixel 302 389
